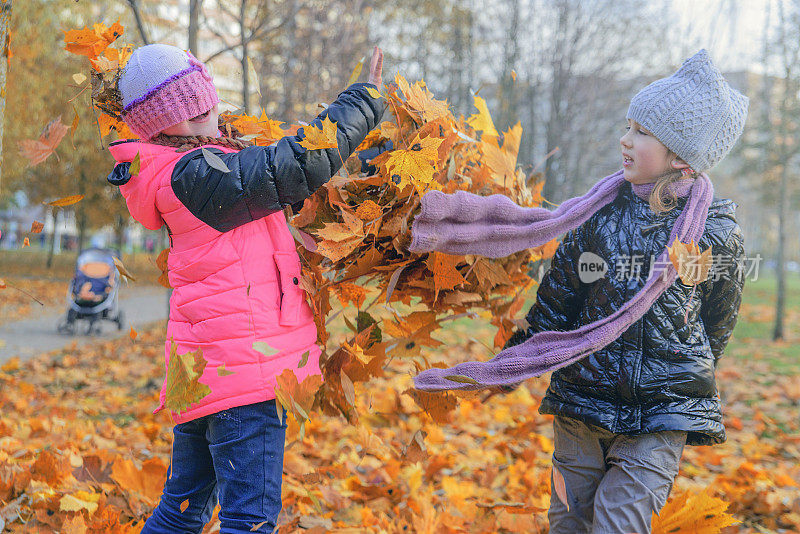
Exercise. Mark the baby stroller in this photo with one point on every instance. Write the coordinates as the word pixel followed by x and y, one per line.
pixel 93 292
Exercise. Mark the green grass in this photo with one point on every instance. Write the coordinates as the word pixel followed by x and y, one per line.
pixel 31 262
pixel 752 337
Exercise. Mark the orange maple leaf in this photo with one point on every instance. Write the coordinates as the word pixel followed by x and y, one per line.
pixel 91 42
pixel 693 513
pixel 318 138
pixel 38 150
pixel 297 397
pixel 263 130
pixel 445 274
pixel 147 481
pixel 692 266
pixel 421 100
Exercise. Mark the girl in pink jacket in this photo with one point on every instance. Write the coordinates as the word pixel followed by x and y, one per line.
pixel 235 274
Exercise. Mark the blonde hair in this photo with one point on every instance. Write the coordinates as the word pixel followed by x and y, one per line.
pixel 662 199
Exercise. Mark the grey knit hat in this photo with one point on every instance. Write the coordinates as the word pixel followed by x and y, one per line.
pixel 694 112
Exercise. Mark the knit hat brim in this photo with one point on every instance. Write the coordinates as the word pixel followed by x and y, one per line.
pixel 194 92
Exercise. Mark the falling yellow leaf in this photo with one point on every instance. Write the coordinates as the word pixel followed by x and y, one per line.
pixel 26 243
pixel 319 138
pixel 416 165
pixel 133 333
pixel 183 379
pixel 184 505
pixel 36 227
pixel 66 201
pixel 356 71
pixel 374 93
pixel 483 119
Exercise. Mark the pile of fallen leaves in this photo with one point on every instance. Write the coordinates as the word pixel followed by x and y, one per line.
pixel 361 226
pixel 353 236
pixel 81 452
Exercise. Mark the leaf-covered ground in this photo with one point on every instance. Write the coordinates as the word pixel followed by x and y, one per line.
pixel 80 448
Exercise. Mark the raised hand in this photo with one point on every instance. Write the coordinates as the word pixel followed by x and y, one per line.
pixel 376 68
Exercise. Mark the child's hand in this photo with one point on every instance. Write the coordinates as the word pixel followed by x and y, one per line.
pixel 375 68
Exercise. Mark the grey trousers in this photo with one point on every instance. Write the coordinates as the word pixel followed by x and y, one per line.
pixel 614 482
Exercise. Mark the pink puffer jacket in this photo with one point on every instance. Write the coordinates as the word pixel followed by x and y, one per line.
pixel 230 289
pixel 232 260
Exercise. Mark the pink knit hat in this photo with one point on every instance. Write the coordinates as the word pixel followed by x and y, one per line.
pixel 162 85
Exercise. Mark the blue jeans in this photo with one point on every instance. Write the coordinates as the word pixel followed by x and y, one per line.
pixel 235 456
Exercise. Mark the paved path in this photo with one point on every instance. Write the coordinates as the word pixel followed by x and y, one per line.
pixel 37 334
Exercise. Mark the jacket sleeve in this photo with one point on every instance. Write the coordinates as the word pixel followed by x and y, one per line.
pixel 722 294
pixel 139 197
pixel 262 180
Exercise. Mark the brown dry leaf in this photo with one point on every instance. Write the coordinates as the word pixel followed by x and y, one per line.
pixel 122 270
pixel 40 149
pixel 416 451
pixel 184 372
pixel 560 486
pixel 347 293
pixel 513 507
pixel 439 406
pixel 133 334
pixel 147 481
pixel 297 396
pixel 445 274
pixel 36 227
pixel 184 505
pixel 368 211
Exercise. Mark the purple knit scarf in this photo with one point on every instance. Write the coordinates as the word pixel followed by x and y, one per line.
pixel 494 226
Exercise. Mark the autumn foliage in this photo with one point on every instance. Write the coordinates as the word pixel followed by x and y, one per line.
pixel 358 459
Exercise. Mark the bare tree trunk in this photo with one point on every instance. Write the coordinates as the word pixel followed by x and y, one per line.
pixel 788 97
pixel 139 24
pixel 553 127
pixel 289 56
pixel 51 248
pixel 194 20
pixel 5 26
pixel 245 57
pixel 508 97
pixel 119 232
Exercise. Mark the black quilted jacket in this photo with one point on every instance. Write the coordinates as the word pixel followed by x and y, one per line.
pixel 659 375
